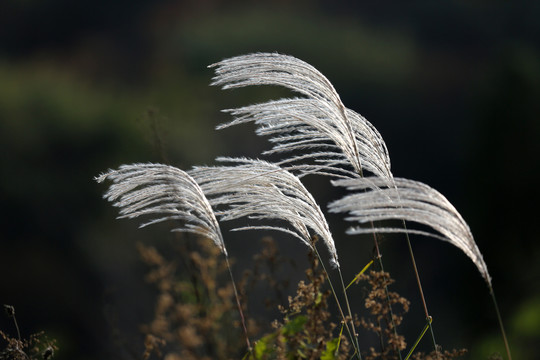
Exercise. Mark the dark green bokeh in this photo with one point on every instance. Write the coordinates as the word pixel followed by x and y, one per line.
pixel 453 87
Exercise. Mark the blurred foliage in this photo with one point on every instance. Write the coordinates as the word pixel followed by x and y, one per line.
pixel 524 325
pixel 86 86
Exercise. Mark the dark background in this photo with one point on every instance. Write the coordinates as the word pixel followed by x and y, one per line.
pixel 453 87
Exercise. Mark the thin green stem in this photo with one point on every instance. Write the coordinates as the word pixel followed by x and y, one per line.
pixel 435 347
pixel 492 293
pixel 238 304
pixel 428 325
pixel 360 273
pixel 339 341
pixel 349 310
pixel 387 293
pixel 378 255
pixel 416 272
pixel 352 334
pixel 411 253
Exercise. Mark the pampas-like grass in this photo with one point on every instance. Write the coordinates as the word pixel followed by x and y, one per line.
pixel 171 194
pixel 337 141
pixel 410 201
pixel 165 191
pixel 320 136
pixel 335 137
pixel 257 189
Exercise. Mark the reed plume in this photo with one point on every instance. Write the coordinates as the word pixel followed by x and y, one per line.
pixel 171 194
pixel 408 200
pixel 165 191
pixel 316 134
pixel 260 190
pixel 337 140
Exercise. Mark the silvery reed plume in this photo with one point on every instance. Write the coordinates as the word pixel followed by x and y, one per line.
pixel 166 192
pixel 411 201
pixel 335 138
pixel 317 134
pixel 257 189
pixel 170 194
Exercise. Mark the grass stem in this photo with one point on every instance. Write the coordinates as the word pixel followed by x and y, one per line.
pixel 349 310
pixel 428 325
pixel 10 312
pixel 416 272
pixel 499 318
pixel 238 304
pixel 352 333
pixel 411 253
pixel 360 273
pixel 387 293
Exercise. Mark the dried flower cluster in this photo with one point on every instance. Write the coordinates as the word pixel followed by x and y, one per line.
pixel 194 316
pixel 383 306
pixel 36 346
pixel 197 329
pixel 306 330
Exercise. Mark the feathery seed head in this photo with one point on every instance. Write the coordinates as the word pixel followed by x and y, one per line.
pixel 335 138
pixel 407 200
pixel 165 191
pixel 259 190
